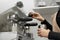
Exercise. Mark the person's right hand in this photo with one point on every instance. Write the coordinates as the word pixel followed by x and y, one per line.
pixel 43 32
pixel 37 16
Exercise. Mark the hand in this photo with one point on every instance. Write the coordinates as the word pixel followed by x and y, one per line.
pixel 43 32
pixel 37 16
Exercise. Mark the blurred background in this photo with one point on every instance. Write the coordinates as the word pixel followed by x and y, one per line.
pixel 8 7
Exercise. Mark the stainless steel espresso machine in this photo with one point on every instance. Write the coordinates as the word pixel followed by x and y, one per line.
pixel 23 25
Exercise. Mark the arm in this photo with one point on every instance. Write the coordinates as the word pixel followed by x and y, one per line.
pixel 54 35
pixel 40 18
pixel 49 34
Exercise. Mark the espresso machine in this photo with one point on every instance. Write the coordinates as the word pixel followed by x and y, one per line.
pixel 23 25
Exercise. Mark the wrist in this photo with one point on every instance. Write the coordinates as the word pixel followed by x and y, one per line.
pixel 48 33
pixel 41 19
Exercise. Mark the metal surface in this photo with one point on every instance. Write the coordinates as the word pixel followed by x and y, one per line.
pixel 47 11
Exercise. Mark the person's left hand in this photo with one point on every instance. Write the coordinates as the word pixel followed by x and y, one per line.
pixel 43 32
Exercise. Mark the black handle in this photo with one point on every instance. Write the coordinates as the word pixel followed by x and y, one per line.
pixel 25 19
pixel 30 24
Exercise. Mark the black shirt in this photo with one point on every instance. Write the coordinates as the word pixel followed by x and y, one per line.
pixel 58 18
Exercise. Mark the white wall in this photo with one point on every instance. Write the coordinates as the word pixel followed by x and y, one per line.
pixel 7 4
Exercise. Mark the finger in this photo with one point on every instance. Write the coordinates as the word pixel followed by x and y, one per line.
pixel 35 17
pixel 40 35
pixel 39 29
pixel 38 32
pixel 36 13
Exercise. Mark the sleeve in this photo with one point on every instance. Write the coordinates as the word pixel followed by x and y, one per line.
pixel 58 18
pixel 54 35
pixel 49 26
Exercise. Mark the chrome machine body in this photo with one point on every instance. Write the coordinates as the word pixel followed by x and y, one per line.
pixel 23 27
